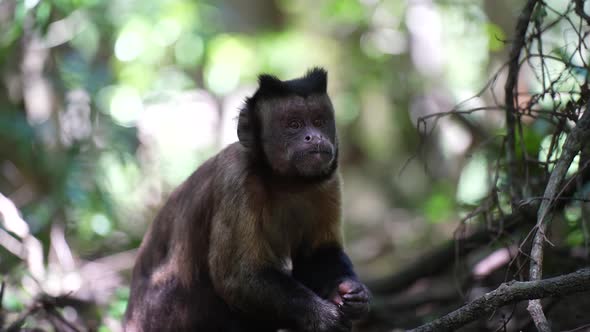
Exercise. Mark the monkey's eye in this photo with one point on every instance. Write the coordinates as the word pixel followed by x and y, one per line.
pixel 294 124
pixel 318 122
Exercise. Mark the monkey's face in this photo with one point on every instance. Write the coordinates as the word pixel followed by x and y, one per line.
pixel 299 135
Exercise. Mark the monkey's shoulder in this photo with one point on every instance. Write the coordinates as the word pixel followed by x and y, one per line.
pixel 230 179
pixel 226 168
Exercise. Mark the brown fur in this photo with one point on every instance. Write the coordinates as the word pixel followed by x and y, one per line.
pixel 251 240
pixel 223 219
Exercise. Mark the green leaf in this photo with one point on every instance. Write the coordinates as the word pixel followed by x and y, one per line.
pixel 496 37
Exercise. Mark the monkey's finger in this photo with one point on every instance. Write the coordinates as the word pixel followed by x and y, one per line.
pixel 337 299
pixel 355 291
pixel 355 310
pixel 346 287
pixel 355 307
pixel 360 295
pixel 356 297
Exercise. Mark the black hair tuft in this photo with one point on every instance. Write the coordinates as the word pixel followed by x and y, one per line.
pixel 317 78
pixel 269 83
pixel 313 82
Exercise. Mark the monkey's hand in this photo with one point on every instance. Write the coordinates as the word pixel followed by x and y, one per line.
pixel 326 317
pixel 353 299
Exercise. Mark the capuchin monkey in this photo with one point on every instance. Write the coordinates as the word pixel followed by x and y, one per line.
pixel 251 241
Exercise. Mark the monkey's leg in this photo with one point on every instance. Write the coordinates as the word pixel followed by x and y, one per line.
pixel 170 307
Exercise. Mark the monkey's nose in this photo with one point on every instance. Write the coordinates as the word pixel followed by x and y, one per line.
pixel 313 139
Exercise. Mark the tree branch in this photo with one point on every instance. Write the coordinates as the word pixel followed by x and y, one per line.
pixel 510 98
pixel 580 10
pixel 508 293
pixel 571 147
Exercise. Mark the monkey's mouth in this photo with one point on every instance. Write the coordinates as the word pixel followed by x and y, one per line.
pixel 317 156
pixel 324 153
pixel 322 156
pixel 328 152
pixel 314 161
pixel 320 149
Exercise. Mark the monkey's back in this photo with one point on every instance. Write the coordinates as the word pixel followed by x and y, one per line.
pixel 171 289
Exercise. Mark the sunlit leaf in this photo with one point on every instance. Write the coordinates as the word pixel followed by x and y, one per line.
pixel 496 37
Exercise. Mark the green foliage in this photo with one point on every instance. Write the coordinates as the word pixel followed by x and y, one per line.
pixel 575 238
pixel 531 139
pixel 119 304
pixel 12 30
pixel 440 204
pixel 119 101
pixel 11 302
pixel 496 37
pixel 343 11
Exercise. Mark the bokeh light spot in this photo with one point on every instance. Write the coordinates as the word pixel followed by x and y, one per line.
pixel 132 40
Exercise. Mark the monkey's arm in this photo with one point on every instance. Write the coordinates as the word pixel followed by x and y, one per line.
pixel 329 273
pixel 320 262
pixel 323 269
pixel 249 278
pixel 275 296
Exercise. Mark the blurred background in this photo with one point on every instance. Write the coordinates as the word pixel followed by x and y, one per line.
pixel 107 105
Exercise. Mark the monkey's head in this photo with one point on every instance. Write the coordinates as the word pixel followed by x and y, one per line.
pixel 289 126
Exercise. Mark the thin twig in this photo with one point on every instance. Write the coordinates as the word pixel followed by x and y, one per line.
pixel 584 327
pixel 580 10
pixel 2 285
pixel 18 323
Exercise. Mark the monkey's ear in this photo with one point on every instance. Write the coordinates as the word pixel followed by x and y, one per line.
pixel 248 125
pixel 248 121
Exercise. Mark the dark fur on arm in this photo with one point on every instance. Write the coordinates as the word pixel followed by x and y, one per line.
pixel 329 273
pixel 270 293
pixel 322 270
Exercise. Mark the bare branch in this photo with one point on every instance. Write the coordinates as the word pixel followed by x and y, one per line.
pixel 538 316
pixel 510 97
pixel 580 10
pixel 508 293
pixel 2 285
pixel 572 146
